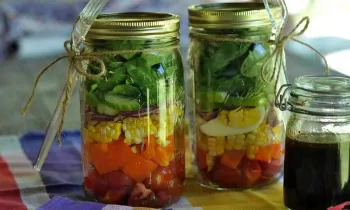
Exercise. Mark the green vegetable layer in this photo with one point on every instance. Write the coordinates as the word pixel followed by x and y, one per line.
pixel 133 79
pixel 228 74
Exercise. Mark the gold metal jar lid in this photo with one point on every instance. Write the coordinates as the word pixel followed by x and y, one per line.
pixel 232 15
pixel 134 25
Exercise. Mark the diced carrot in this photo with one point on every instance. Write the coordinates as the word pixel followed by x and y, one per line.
pixel 162 156
pixel 149 147
pixel 109 157
pixel 171 145
pixel 171 138
pixel 232 158
pixel 139 168
pixel 264 153
pixel 276 151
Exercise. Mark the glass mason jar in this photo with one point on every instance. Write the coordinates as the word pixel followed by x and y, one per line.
pixel 317 150
pixel 239 132
pixel 133 117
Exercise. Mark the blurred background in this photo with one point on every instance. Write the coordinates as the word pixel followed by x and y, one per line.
pixel 32 33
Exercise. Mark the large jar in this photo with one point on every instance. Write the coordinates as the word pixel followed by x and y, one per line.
pixel 133 117
pixel 317 150
pixel 239 132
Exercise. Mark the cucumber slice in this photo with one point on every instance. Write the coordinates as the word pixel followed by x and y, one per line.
pixel 107 110
pixel 122 103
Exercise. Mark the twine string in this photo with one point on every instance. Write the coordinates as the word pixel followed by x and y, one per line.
pixel 75 60
pixel 278 51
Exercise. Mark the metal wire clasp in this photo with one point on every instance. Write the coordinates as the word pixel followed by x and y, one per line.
pixel 281 100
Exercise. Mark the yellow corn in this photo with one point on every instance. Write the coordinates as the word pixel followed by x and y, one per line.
pixel 135 129
pixel 216 146
pixel 220 145
pixel 202 141
pixel 250 139
pixel 235 142
pixel 278 132
pixel 251 150
pixel 211 146
pixel 209 161
pixel 165 124
pixel 103 132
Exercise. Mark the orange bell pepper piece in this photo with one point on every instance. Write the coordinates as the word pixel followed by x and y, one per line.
pixel 162 156
pixel 108 157
pixel 149 147
pixel 276 151
pixel 171 146
pixel 232 158
pixel 139 168
pixel 264 153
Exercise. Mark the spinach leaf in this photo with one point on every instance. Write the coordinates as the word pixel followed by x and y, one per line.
pixel 131 78
pixel 119 75
pixel 252 65
pixel 127 90
pixel 152 59
pixel 128 45
pixel 217 55
pixel 145 79
pixel 94 98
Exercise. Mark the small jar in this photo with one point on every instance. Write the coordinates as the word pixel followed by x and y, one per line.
pixel 239 131
pixel 317 149
pixel 133 117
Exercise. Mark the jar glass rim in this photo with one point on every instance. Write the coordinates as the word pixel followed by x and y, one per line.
pixel 324 95
pixel 323 84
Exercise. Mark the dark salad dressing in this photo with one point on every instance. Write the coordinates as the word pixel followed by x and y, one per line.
pixel 317 172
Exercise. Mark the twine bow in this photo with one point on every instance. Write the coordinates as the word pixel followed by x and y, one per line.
pixel 277 53
pixel 74 60
pixel 73 66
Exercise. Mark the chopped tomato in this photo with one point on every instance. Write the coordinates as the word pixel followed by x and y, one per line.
pixel 232 158
pixel 114 182
pixel 175 188
pixel 117 180
pixel 271 168
pixel 139 168
pixel 178 168
pixel 201 159
pixel 103 156
pixel 90 180
pixel 252 171
pixel 142 197
pixel 115 196
pixel 226 177
pixel 159 179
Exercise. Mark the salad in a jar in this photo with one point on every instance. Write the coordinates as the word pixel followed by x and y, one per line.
pixel 239 131
pixel 133 136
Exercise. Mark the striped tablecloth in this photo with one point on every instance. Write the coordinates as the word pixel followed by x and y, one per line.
pixel 23 188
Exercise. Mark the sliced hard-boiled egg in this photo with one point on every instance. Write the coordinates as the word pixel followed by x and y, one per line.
pixel 240 121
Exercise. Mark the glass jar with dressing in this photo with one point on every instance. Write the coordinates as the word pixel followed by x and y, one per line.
pixel 317 148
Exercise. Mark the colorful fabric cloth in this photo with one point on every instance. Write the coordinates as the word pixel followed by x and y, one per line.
pixel 21 187
pixel 58 203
